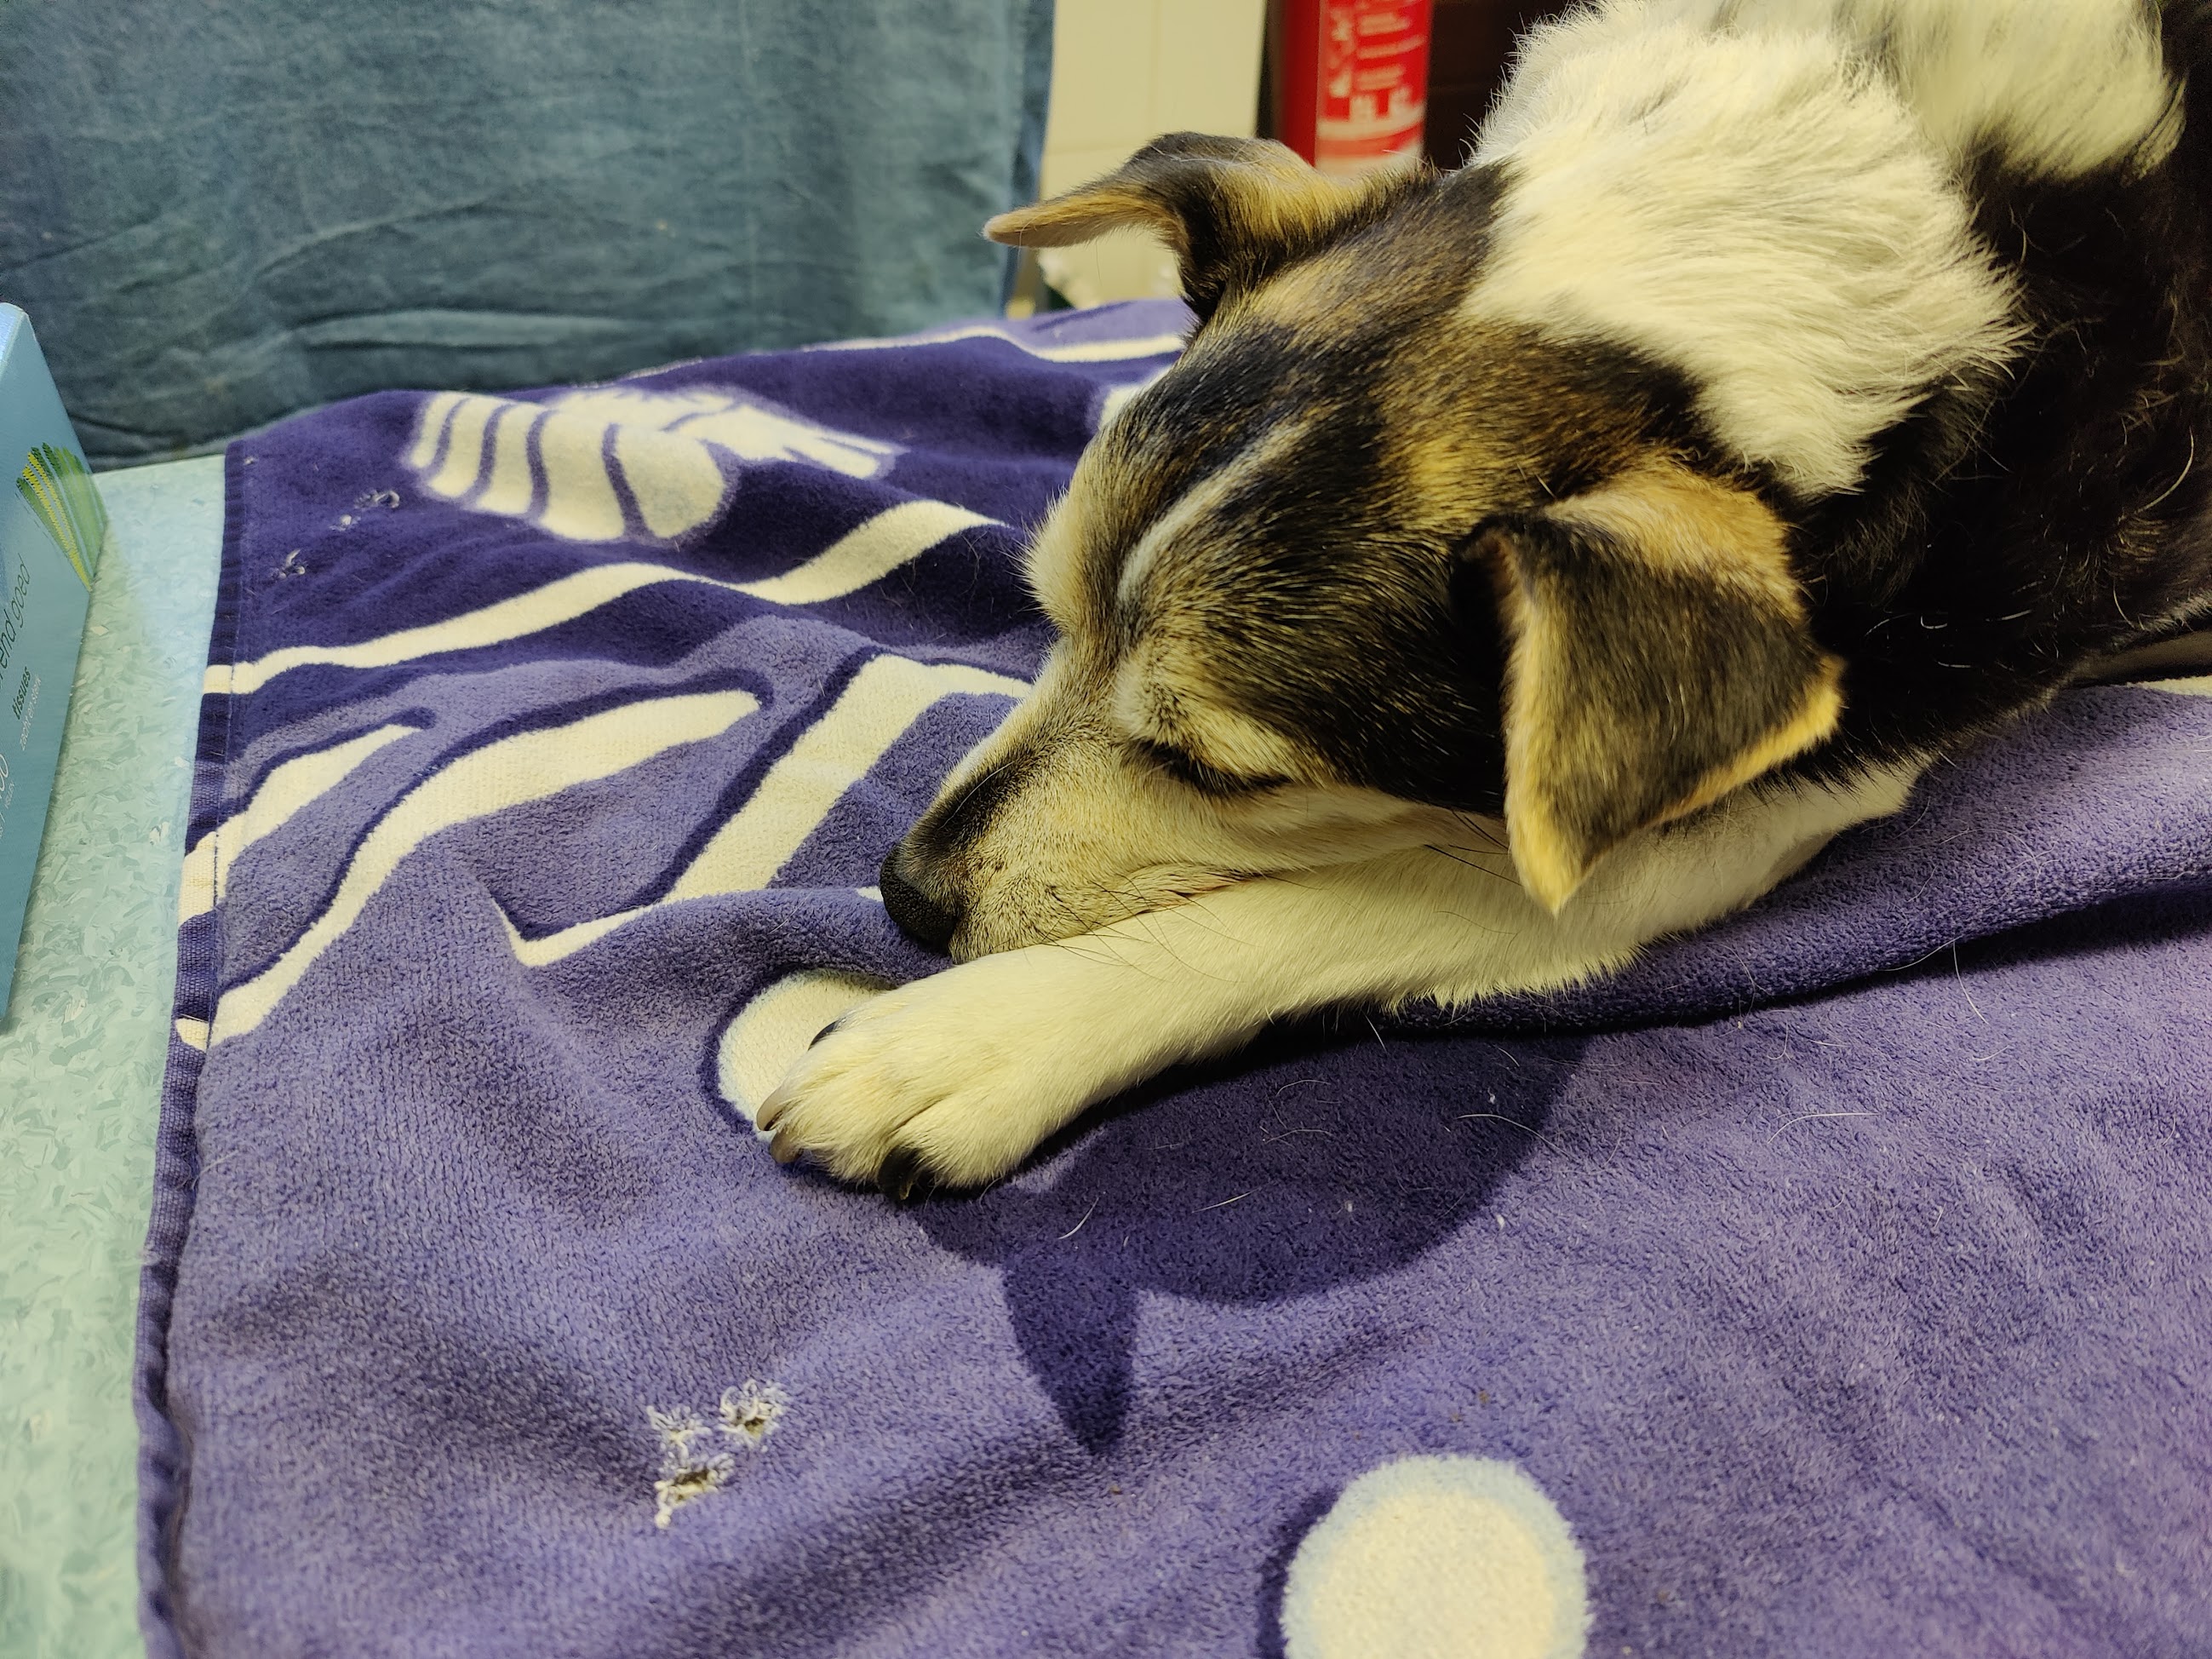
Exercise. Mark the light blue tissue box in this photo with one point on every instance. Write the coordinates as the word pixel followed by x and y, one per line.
pixel 51 529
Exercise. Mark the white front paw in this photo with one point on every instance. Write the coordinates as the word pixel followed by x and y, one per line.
pixel 954 1079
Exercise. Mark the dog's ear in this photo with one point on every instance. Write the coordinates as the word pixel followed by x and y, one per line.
pixel 1658 654
pixel 1234 210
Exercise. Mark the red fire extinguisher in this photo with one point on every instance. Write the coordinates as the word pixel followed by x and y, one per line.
pixel 1351 80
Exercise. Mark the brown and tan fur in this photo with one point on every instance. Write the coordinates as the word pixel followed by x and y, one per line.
pixel 1413 649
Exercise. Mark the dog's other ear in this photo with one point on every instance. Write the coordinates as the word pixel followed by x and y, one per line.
pixel 1658 655
pixel 1234 210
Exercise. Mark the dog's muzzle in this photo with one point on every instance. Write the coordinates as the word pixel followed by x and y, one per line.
pixel 919 916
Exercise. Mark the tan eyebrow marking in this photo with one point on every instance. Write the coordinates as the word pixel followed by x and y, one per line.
pixel 1163 701
pixel 1195 502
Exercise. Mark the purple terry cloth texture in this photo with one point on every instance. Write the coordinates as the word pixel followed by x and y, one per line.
pixel 1842 1273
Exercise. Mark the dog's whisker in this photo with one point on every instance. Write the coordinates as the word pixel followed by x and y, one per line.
pixel 1475 863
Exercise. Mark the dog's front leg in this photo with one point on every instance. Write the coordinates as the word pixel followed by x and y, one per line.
pixel 956 1077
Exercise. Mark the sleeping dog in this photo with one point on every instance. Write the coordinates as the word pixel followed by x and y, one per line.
pixel 1527 562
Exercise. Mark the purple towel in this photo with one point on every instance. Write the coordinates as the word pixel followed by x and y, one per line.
pixel 1836 1282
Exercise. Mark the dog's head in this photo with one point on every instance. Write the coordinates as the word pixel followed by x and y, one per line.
pixel 1361 572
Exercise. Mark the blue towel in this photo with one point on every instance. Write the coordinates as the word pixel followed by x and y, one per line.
pixel 1834 1282
pixel 219 213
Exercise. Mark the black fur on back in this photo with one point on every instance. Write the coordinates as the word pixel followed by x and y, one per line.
pixel 2009 534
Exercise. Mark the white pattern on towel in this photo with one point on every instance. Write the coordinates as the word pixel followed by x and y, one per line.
pixel 509 773
pixel 671 452
pixel 883 700
pixel 284 793
pixel 867 553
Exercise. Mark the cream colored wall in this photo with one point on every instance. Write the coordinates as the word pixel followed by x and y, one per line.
pixel 1123 72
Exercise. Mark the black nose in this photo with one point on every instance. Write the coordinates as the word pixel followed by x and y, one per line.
pixel 920 917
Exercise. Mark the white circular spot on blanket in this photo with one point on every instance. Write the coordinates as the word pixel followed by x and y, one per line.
pixel 1442 1557
pixel 773 1029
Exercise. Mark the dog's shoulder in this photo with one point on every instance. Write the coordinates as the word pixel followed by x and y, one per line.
pixel 1936 274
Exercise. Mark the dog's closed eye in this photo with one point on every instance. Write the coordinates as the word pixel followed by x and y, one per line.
pixel 1187 769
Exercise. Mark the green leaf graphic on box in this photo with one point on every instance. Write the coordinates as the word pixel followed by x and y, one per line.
pixel 61 495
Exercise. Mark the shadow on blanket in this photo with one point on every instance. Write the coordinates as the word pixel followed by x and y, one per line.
pixel 1366 1154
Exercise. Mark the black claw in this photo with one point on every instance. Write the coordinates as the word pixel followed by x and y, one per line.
pixel 830 1030
pixel 903 1177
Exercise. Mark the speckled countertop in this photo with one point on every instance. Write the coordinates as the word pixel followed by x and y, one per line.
pixel 80 1056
